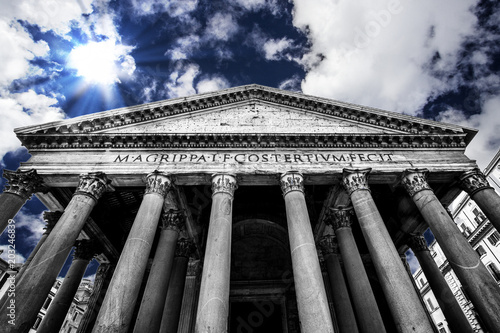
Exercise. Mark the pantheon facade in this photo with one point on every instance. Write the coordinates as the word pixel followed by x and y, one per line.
pixel 250 209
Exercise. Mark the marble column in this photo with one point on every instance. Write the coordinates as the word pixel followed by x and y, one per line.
pixel 173 302
pixel 40 275
pixel 213 303
pixel 341 302
pixel 477 187
pixel 447 302
pixel 50 219
pixel 153 300
pixel 58 309
pixel 21 185
pixel 480 286
pixel 117 308
pixel 367 312
pixel 403 301
pixel 312 303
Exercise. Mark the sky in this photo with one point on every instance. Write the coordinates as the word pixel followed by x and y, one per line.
pixel 437 60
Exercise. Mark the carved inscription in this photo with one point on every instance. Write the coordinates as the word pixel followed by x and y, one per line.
pixel 253 158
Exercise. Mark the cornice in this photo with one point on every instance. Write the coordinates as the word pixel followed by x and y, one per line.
pixel 164 109
pixel 240 140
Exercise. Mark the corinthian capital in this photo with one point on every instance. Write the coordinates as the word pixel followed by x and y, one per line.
pixel 292 181
pixel 473 181
pixel 93 185
pixel 184 248
pixel 355 179
pixel 173 220
pixel 224 183
pixel 340 217
pixel 23 183
pixel 157 182
pixel 328 245
pixel 415 180
pixel 417 243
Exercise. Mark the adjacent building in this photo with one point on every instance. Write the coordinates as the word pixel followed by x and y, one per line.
pixel 485 240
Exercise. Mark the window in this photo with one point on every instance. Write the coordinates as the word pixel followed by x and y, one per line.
pixel 37 322
pixel 494 238
pixel 431 306
pixel 422 283
pixel 480 250
pixel 442 330
pixel 479 216
pixel 494 271
pixel 465 230
pixel 75 315
pixel 47 303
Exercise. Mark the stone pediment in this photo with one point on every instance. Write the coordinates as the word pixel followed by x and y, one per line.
pixel 250 115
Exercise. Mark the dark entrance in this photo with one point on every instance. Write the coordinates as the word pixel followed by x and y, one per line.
pixel 255 317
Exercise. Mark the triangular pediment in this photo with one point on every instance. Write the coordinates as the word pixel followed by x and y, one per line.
pixel 251 117
pixel 287 118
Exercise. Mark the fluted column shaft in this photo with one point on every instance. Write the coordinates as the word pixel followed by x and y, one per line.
pixel 51 219
pixel 153 300
pixel 407 311
pixel 447 302
pixel 58 309
pixel 213 303
pixel 367 311
pixel 22 184
pixel 117 308
pixel 314 313
pixel 173 302
pixel 475 278
pixel 40 275
pixel 476 185
pixel 341 302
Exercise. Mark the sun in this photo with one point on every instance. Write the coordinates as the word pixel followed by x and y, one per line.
pixel 102 62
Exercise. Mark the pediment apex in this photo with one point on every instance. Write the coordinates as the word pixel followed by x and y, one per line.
pixel 365 118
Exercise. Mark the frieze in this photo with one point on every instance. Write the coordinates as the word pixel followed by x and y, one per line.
pixel 286 158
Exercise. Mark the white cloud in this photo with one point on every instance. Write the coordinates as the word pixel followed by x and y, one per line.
pixel 181 81
pixel 487 142
pixel 24 109
pixel 255 5
pixel 172 7
pixel 55 15
pixel 184 47
pixel 212 84
pixel 291 84
pixel 274 48
pixel 18 49
pixel 34 224
pixel 221 26
pixel 380 53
